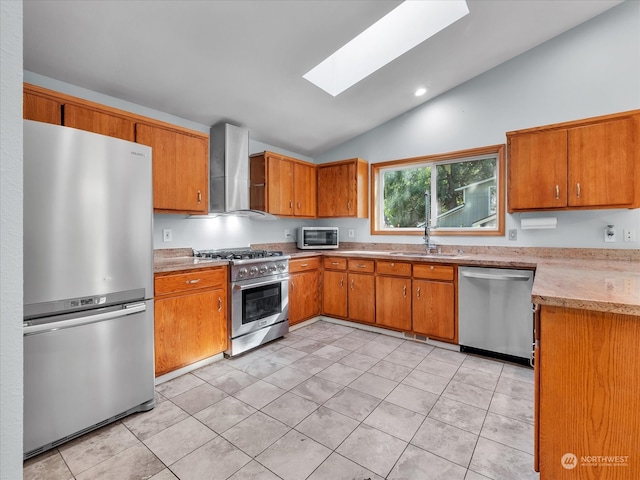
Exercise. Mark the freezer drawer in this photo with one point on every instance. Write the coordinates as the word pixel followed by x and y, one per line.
pixel 81 372
pixel 495 310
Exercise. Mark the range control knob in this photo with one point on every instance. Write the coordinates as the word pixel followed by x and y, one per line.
pixel 272 268
pixel 242 272
pixel 282 267
pixel 263 269
pixel 253 271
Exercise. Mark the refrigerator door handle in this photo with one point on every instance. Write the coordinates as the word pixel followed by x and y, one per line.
pixel 85 320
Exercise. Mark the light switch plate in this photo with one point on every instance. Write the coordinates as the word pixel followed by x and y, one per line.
pixel 167 235
pixel 513 234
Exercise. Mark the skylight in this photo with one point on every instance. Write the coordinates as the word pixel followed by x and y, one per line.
pixel 408 25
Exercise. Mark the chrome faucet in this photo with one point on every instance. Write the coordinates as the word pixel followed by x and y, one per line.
pixel 427 223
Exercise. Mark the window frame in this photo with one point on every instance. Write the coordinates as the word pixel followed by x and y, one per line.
pixel 437 159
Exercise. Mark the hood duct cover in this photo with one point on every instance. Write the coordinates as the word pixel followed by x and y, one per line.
pixel 229 172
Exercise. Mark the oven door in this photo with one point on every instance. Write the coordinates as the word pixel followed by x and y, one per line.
pixel 256 304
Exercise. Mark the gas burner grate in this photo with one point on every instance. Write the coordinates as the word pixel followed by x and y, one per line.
pixel 239 254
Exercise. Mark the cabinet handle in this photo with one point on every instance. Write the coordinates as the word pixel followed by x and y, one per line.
pixel 360 265
pixel 219 304
pixel 341 282
pixel 293 285
pixel 335 263
pixel 557 192
pixel 578 189
pixel 404 291
pixel 298 204
pixel 393 265
pixel 431 267
pixel 199 196
pixel 349 205
pixel 304 265
pixel 290 203
pixel 192 281
pixel 352 283
pixel 418 295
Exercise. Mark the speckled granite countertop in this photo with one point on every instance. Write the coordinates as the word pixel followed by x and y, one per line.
pixel 591 279
pixel 179 259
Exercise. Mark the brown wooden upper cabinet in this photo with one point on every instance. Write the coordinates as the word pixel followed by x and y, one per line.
pixel 180 155
pixel 343 189
pixel 41 109
pixel 180 169
pixel 282 186
pixel 95 121
pixel 592 163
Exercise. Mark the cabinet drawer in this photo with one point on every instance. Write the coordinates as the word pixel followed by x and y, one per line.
pixel 358 265
pixel 334 263
pixel 184 281
pixel 433 272
pixel 304 264
pixel 394 268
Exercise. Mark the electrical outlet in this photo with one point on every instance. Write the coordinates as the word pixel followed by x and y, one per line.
pixel 351 232
pixel 287 233
pixel 167 235
pixel 513 234
pixel 628 235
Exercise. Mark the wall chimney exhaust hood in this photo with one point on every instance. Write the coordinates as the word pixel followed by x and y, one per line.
pixel 229 173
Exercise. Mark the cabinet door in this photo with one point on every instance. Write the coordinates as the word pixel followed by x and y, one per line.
pixel 304 296
pixel 279 186
pixel 334 293
pixel 537 170
pixel 189 328
pixel 98 122
pixel 180 169
pixel 336 190
pixel 362 303
pixel 601 163
pixel 41 109
pixel 393 302
pixel 304 190
pixel 433 309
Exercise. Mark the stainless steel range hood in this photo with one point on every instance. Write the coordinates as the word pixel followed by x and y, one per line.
pixel 229 172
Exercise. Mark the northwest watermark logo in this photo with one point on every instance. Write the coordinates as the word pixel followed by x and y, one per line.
pixel 569 461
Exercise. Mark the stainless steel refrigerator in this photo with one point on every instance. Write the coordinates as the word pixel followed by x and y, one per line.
pixel 88 283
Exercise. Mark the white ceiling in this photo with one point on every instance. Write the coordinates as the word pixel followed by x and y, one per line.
pixel 242 61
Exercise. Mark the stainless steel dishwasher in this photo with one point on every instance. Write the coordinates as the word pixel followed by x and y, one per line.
pixel 495 314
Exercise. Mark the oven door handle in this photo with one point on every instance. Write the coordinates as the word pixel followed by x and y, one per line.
pixel 259 284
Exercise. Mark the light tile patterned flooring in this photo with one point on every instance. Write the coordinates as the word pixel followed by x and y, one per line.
pixel 328 402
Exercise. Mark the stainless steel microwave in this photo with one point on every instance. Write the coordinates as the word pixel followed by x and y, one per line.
pixel 317 238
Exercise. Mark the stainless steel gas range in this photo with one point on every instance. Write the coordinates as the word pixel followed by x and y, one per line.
pixel 258 296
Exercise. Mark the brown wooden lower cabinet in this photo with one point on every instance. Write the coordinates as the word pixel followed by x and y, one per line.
pixel 334 293
pixel 433 309
pixel 588 395
pixel 304 289
pixel 362 297
pixel 393 302
pixel 190 317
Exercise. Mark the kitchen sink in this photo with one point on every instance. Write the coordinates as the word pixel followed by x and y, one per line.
pixel 426 255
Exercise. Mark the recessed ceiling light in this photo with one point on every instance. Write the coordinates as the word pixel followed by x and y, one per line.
pixel 420 91
pixel 406 26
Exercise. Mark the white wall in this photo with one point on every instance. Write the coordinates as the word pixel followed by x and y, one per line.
pixel 594 69
pixel 11 239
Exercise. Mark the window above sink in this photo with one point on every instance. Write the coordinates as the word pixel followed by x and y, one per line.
pixel 466 187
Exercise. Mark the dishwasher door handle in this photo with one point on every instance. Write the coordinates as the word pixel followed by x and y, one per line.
pixel 489 276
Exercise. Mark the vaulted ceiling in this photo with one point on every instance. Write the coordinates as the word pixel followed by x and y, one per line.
pixel 242 61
